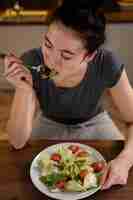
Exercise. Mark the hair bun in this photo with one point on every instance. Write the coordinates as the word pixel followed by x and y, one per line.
pixel 83 12
pixel 93 5
pixel 83 16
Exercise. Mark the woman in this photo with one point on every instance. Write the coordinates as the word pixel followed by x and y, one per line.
pixel 70 102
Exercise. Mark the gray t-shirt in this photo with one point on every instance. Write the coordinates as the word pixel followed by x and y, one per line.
pixel 77 104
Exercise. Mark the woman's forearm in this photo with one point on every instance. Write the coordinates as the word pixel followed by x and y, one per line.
pixel 19 125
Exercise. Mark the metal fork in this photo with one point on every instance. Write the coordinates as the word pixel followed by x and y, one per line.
pixel 43 70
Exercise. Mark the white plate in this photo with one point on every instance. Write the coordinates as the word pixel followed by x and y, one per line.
pixel 34 174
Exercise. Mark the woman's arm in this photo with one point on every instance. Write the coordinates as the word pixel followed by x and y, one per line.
pixel 122 96
pixel 117 170
pixel 22 113
pixel 24 103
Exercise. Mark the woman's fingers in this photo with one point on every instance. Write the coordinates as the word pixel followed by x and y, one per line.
pixel 10 70
pixel 15 72
pixel 115 174
pixel 9 60
pixel 114 179
pixel 105 174
pixel 19 79
pixel 110 180
pixel 22 75
pixel 14 68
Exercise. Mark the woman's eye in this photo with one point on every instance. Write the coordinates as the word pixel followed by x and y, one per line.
pixel 66 58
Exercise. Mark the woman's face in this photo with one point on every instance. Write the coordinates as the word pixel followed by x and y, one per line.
pixel 63 50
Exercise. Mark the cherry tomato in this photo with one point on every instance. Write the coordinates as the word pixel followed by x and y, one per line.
pixel 56 157
pixel 60 184
pixel 83 173
pixel 74 148
pixel 98 166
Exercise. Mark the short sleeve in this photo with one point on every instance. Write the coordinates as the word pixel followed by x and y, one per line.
pixel 112 68
pixel 32 58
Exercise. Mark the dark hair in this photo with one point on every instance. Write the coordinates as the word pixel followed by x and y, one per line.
pixel 83 17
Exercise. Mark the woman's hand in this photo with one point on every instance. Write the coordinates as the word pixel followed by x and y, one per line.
pixel 116 173
pixel 17 74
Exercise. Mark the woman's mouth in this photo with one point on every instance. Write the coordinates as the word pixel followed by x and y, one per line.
pixel 48 73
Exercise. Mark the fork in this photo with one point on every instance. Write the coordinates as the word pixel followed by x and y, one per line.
pixel 44 71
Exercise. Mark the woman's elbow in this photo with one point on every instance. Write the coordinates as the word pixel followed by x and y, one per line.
pixel 16 141
pixel 17 145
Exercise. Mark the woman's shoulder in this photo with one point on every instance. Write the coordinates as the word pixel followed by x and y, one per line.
pixel 105 53
pixel 110 54
pixel 111 66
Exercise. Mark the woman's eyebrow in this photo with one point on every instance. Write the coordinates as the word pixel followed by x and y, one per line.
pixel 46 38
pixel 63 50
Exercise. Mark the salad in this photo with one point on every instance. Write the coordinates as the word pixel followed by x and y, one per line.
pixel 44 71
pixel 70 169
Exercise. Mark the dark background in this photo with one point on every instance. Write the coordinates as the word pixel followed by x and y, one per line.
pixel 30 4
pixel 48 4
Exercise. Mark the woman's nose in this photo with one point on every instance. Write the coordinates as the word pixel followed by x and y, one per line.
pixel 56 62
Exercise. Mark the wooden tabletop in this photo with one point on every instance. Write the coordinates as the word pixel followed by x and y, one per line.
pixel 15 182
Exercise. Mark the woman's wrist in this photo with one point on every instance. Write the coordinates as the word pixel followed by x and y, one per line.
pixel 28 90
pixel 126 153
pixel 127 157
pixel 27 96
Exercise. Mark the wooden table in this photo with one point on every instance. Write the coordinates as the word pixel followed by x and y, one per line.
pixel 15 182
